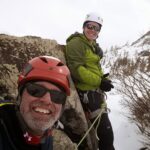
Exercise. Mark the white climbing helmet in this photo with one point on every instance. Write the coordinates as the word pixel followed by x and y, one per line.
pixel 94 17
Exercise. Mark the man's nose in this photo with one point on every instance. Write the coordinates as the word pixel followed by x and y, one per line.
pixel 47 98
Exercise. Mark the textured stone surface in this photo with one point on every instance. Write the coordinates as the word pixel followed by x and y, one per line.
pixel 15 52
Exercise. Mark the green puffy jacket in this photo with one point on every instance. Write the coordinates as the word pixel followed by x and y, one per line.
pixel 83 62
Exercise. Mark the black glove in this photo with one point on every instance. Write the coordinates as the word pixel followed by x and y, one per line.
pixel 106 84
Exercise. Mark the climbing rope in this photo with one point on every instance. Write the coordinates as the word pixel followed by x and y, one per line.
pixel 102 110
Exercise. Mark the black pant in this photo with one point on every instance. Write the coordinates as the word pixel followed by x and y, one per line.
pixel 105 133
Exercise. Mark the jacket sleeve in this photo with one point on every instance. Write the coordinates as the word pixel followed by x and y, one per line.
pixel 75 55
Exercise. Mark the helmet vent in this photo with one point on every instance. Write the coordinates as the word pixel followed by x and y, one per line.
pixel 44 59
pixel 60 64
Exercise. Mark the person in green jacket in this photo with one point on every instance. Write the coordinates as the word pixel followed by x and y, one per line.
pixel 83 57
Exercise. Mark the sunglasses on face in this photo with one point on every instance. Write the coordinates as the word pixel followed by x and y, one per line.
pixel 36 90
pixel 92 27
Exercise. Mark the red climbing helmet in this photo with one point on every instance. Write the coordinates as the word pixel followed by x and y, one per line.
pixel 46 68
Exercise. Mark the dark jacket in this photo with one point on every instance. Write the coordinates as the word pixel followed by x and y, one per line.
pixel 11 134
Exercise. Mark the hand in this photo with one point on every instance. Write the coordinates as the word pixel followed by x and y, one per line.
pixel 106 85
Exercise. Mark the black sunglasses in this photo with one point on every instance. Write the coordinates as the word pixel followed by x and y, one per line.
pixel 92 27
pixel 36 90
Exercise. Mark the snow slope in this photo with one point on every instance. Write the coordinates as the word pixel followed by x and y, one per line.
pixel 125 132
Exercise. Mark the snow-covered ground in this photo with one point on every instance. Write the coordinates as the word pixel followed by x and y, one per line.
pixel 125 132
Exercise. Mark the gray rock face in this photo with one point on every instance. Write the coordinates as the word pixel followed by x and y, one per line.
pixel 15 52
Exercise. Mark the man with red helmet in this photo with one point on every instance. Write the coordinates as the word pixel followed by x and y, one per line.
pixel 43 87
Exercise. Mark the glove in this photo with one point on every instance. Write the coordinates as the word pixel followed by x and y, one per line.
pixel 106 84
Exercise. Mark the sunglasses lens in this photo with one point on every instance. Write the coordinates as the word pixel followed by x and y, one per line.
pixel 92 27
pixel 36 90
pixel 58 97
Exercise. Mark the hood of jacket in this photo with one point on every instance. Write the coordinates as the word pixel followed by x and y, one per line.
pixel 82 37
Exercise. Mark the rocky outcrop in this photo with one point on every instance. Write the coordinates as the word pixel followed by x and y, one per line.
pixel 14 53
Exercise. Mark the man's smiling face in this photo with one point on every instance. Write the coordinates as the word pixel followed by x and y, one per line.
pixel 40 113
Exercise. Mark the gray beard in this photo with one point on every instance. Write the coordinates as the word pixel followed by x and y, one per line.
pixel 37 126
